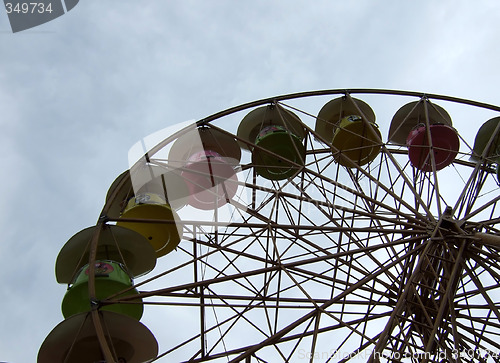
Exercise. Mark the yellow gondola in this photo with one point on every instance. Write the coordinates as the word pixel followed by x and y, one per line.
pixel 349 124
pixel 161 225
pixel 146 179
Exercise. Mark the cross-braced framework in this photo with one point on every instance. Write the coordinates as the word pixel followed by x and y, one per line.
pixel 379 262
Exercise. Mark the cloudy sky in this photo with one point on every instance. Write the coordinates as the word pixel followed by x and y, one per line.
pixel 78 92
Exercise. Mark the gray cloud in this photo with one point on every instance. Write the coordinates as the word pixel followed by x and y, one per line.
pixel 78 92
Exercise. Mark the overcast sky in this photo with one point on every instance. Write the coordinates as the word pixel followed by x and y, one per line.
pixel 78 92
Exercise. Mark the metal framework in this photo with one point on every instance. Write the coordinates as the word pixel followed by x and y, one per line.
pixel 380 262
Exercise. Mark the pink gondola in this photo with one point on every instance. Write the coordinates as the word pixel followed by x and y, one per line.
pixel 207 160
pixel 445 146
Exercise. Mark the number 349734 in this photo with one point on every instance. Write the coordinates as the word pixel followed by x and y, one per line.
pixel 25 8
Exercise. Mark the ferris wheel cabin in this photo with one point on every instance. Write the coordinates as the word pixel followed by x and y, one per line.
pixel 274 136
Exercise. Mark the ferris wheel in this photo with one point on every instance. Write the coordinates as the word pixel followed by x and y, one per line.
pixel 324 226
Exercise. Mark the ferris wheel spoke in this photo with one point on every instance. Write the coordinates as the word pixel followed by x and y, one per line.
pixel 237 316
pixel 483 292
pixel 476 314
pixel 299 321
pixel 479 331
pixel 472 194
pixel 223 328
pixel 492 204
pixel 378 222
